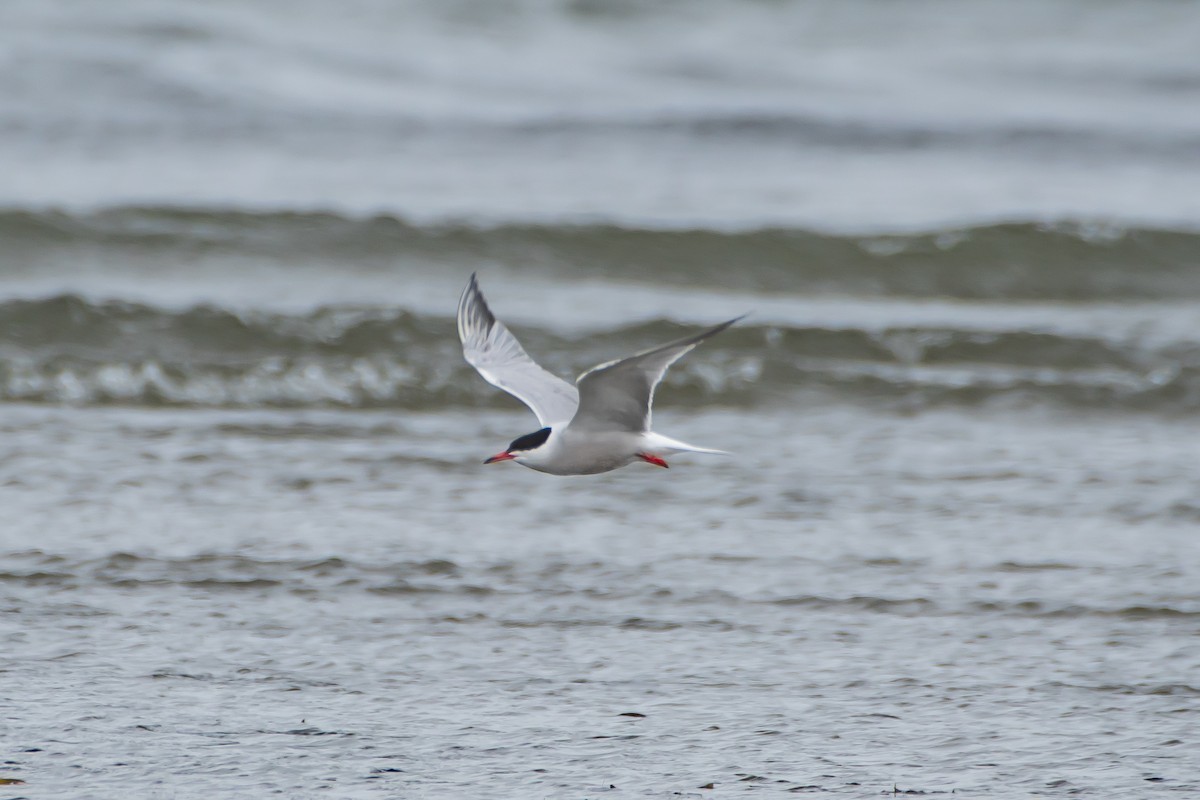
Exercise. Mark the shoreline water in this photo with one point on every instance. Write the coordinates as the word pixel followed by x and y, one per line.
pixel 247 546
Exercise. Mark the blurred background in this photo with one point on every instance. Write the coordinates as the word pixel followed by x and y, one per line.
pixel 823 164
pixel 246 536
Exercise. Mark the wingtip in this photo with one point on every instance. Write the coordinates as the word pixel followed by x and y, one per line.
pixel 472 287
pixel 723 325
pixel 471 303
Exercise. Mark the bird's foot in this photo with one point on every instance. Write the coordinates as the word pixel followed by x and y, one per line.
pixel 650 458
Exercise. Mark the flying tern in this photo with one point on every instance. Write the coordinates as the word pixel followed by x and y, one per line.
pixel 600 423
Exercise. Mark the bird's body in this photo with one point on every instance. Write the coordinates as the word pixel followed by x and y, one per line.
pixel 573 453
pixel 600 424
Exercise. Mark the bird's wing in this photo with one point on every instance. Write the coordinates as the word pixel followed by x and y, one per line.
pixel 499 358
pixel 618 395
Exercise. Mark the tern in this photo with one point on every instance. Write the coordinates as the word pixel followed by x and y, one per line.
pixel 599 424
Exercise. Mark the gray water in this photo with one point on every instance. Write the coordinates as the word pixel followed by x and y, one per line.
pixel 345 604
pixel 247 544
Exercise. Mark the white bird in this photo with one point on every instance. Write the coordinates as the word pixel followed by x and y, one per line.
pixel 599 424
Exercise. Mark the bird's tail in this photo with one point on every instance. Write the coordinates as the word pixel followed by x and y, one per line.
pixel 665 445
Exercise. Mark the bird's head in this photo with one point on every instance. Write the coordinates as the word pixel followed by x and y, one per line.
pixel 522 447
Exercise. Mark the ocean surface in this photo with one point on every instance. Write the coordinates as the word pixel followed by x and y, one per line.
pixel 247 544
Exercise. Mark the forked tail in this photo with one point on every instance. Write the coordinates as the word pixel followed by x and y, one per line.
pixel 665 445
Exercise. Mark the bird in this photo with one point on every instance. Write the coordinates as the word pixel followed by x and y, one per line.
pixel 600 423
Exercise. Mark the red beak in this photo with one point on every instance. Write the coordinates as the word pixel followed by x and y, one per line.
pixel 505 456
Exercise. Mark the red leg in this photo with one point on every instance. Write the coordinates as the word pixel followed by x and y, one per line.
pixel 650 458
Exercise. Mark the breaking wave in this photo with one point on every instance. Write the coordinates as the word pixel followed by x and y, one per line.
pixel 1068 262
pixel 67 349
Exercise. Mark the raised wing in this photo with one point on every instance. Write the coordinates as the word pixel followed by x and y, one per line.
pixel 618 395
pixel 499 358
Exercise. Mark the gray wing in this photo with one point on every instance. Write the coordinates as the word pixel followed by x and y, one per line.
pixel 618 395
pixel 499 358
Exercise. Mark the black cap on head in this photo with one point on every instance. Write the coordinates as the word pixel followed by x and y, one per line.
pixel 530 440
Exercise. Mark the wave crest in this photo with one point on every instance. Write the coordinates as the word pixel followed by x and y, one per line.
pixel 66 349
pixel 1022 261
